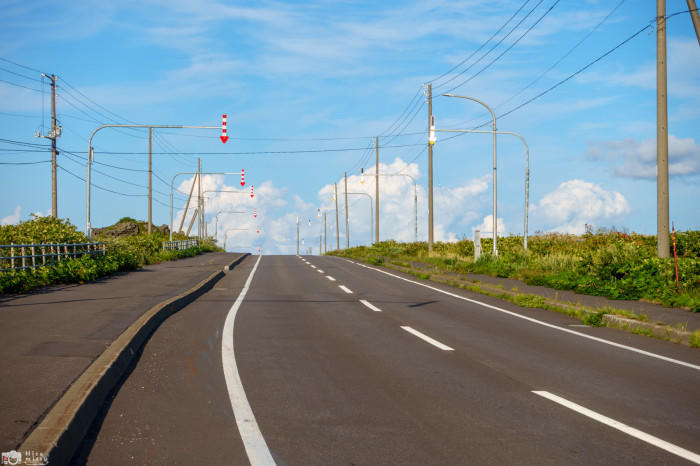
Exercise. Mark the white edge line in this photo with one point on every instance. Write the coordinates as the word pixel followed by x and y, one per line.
pixel 425 337
pixel 345 289
pixel 330 278
pixel 636 433
pixel 255 446
pixel 370 305
pixel 539 322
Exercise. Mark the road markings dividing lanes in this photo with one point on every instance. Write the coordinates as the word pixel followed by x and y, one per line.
pixel 370 305
pixel 345 289
pixel 539 322
pixel 330 278
pixel 312 266
pixel 643 436
pixel 425 337
pixel 320 271
pixel 253 441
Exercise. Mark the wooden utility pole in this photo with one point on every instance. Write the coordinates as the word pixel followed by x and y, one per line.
pixel 347 219
pixel 337 230
pixel 376 199
pixel 695 17
pixel 430 171
pixel 150 181
pixel 325 234
pixel 54 135
pixel 662 217
pixel 187 205
pixel 194 215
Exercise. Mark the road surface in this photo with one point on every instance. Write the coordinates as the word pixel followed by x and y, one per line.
pixel 320 360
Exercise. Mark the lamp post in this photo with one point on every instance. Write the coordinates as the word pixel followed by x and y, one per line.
pixel 495 179
pixel 415 199
pixel 527 167
pixel 216 230
pixel 205 197
pixel 371 213
pixel 230 230
pixel 189 173
pixel 91 156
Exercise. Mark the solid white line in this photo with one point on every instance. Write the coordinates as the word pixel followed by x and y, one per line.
pixel 330 278
pixel 425 337
pixel 370 305
pixel 345 289
pixel 255 446
pixel 636 433
pixel 539 322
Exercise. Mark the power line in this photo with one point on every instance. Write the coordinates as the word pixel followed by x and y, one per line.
pixel 98 186
pixel 20 65
pixel 507 49
pixel 484 44
pixel 21 75
pixel 24 163
pixel 563 57
pixel 25 87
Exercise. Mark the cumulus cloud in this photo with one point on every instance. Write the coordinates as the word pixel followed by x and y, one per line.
pixel 575 203
pixel 632 158
pixel 13 218
pixel 486 227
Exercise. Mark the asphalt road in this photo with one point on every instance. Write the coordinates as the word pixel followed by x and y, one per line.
pixel 51 335
pixel 409 376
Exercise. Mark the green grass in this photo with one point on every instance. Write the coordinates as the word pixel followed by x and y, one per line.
pixel 615 265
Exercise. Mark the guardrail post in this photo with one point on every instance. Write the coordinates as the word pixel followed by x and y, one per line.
pixel 12 256
pixel 33 258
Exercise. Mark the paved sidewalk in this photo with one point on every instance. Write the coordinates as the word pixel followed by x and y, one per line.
pixel 51 335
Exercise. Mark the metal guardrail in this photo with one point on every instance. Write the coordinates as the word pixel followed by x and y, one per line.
pixel 30 256
pixel 179 245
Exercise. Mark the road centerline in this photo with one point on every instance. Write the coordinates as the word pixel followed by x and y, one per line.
pixel 370 305
pixel 330 278
pixel 255 446
pixel 426 338
pixel 636 433
pixel 345 289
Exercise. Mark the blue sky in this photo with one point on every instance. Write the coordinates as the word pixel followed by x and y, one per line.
pixel 306 87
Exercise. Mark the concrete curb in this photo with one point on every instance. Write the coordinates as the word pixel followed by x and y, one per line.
pixel 60 433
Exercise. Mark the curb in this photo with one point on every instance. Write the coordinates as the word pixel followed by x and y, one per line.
pixel 60 433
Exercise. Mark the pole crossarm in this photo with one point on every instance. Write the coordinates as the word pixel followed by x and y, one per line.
pixel 90 158
pixel 527 167
pixel 189 173
pixel 371 213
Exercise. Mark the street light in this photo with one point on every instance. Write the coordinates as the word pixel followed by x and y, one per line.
pixel 189 173
pixel 495 180
pixel 527 167
pixel 371 214
pixel 216 230
pixel 415 199
pixel 204 197
pixel 91 156
pixel 230 230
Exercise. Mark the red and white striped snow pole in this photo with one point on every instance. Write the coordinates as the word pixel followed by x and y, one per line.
pixel 224 138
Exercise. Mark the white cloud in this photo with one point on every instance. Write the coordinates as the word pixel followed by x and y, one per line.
pixel 13 218
pixel 637 159
pixel 575 203
pixel 486 227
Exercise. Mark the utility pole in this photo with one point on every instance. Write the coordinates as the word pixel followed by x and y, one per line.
pixel 187 205
pixel 347 220
pixel 662 216
pixel 150 181
pixel 376 199
pixel 337 231
pixel 694 16
pixel 199 196
pixel 297 235
pixel 430 171
pixel 325 235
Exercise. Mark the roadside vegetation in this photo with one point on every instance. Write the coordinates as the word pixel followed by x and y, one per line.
pixel 123 253
pixel 606 263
